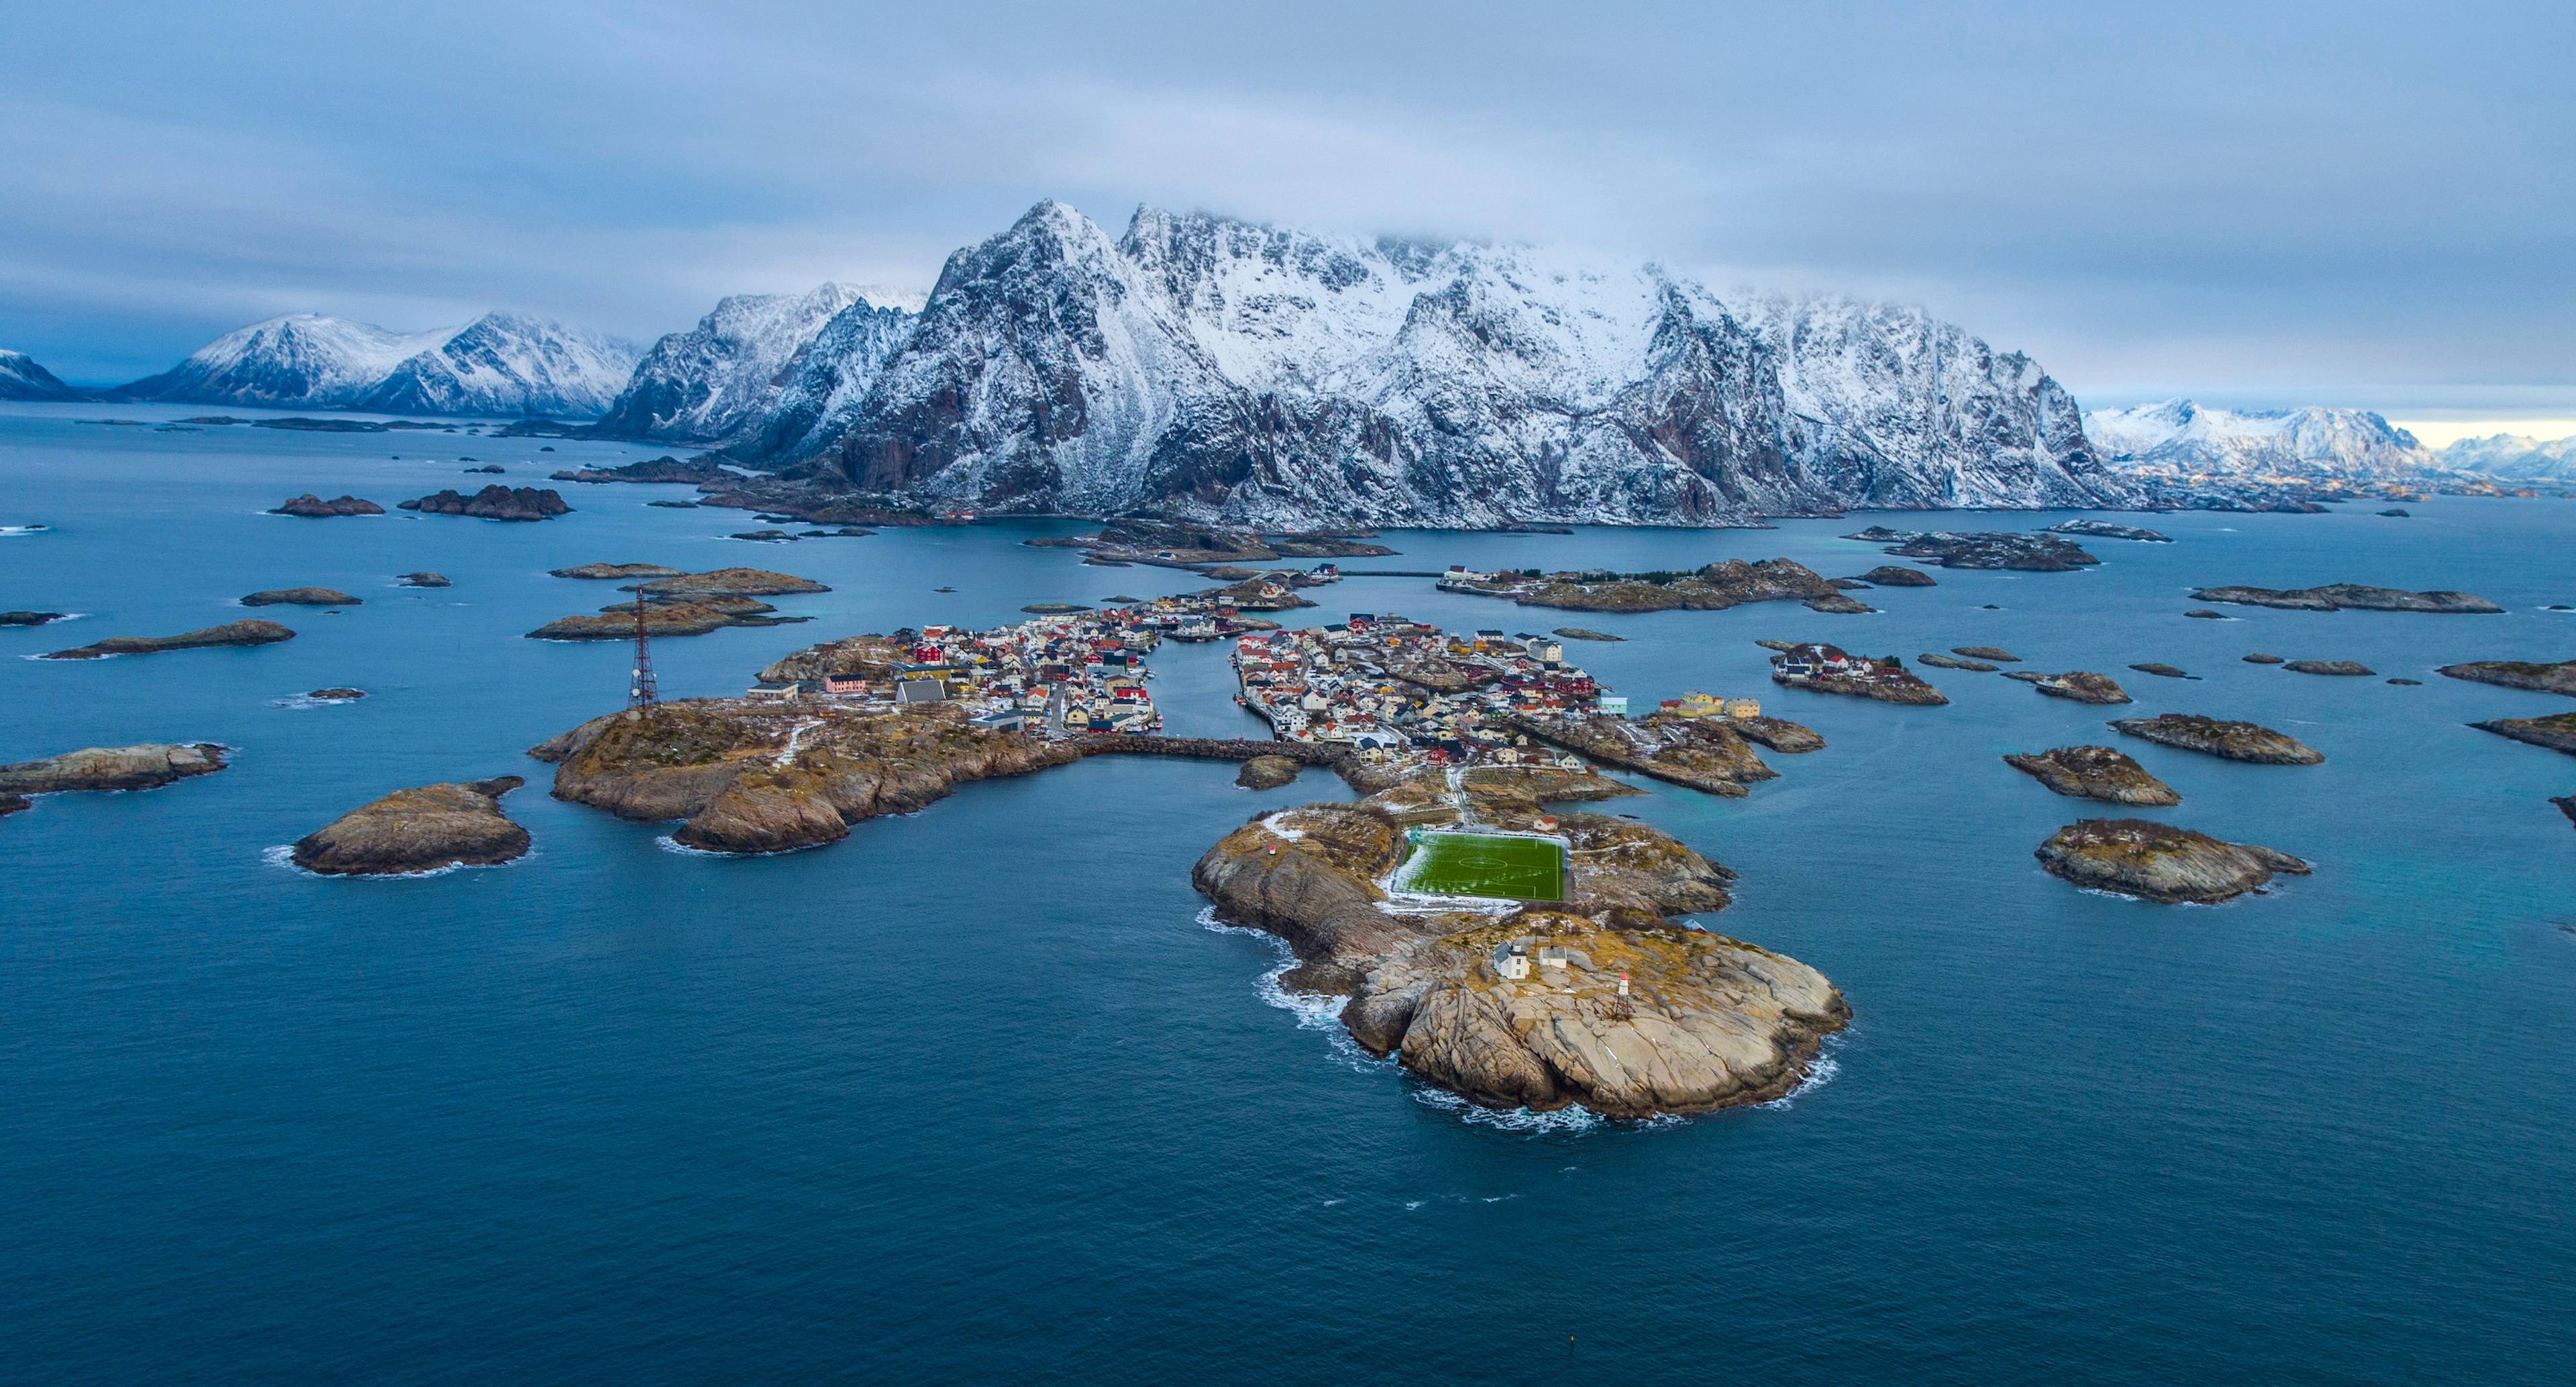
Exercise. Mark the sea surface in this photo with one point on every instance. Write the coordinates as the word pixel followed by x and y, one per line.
pixel 976 1096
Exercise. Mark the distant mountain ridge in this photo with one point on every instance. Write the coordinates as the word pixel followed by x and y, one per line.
pixel 708 383
pixel 2311 442
pixel 22 377
pixel 1213 367
pixel 2517 456
pixel 500 364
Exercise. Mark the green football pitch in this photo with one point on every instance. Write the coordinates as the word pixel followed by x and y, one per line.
pixel 1484 864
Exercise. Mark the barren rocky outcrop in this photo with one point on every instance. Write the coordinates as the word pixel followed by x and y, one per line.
pixel 2160 862
pixel 424 579
pixel 228 634
pixel 2095 772
pixel 300 597
pixel 418 830
pixel 1706 754
pixel 2342 667
pixel 2557 678
pixel 145 766
pixel 311 507
pixel 2234 741
pixel 2556 732
pixel 1267 772
pixel 494 502
pixel 615 570
pixel 2350 596
pixel 2082 686
pixel 2036 553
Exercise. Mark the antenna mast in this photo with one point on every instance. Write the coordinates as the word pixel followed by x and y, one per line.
pixel 642 693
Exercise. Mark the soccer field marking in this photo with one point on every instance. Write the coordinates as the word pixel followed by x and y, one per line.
pixel 1484 866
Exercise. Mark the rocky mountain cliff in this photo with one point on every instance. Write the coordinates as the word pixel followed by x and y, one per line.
pixel 500 364
pixel 709 383
pixel 22 377
pixel 1219 369
pixel 2313 442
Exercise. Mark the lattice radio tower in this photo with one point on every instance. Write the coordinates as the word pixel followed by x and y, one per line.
pixel 642 693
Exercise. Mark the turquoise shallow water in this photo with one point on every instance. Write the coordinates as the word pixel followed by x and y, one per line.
pixel 972 1095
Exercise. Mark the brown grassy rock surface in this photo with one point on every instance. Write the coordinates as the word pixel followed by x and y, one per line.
pixel 418 830
pixel 2350 596
pixel 2234 741
pixel 615 570
pixel 2083 686
pixel 1267 772
pixel 2159 862
pixel 731 582
pixel 757 777
pixel 145 766
pixel 1706 754
pixel 2556 732
pixel 2095 772
pixel 2558 678
pixel 1709 1022
pixel 300 597
pixel 228 634
pixel 695 617
pixel 867 657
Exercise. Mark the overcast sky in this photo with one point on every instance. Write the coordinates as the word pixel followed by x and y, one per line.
pixel 2255 204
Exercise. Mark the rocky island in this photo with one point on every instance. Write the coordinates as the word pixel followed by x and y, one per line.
pixel 423 579
pixel 1728 583
pixel 2558 678
pixel 312 507
pixel 300 597
pixel 1267 772
pixel 1708 754
pixel 693 472
pixel 2083 686
pixel 2336 597
pixel 2233 741
pixel 1888 575
pixel 2556 732
pixel 494 502
pixel 1831 669
pixel 2104 529
pixel 2159 862
pixel 1584 633
pixel 1600 999
pixel 598 571
pixel 144 767
pixel 754 777
pixel 2342 667
pixel 2095 772
pixel 30 618
pixel 2034 553
pixel 1937 660
pixel 228 634
pixel 418 830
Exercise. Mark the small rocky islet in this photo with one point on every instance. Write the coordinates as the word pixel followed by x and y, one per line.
pixel 2335 597
pixel 2557 732
pixel 231 633
pixel 1715 587
pixel 679 604
pixel 2082 686
pixel 2094 772
pixel 300 597
pixel 2540 677
pixel 1267 772
pixel 418 830
pixel 2031 553
pixel 146 766
pixel 2160 862
pixel 311 507
pixel 2346 668
pixel 494 502
pixel 2232 741
pixel 423 579
pixel 2104 529
pixel 1937 660
pixel 31 618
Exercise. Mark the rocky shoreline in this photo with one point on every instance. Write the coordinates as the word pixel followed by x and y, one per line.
pixel 1612 1005
pixel 1728 583
pixel 418 830
pixel 2557 678
pixel 2031 553
pixel 2556 732
pixel 1706 754
pixel 146 766
pixel 2160 862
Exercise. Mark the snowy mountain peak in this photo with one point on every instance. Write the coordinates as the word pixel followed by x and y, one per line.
pixel 2312 441
pixel 709 383
pixel 22 377
pixel 499 364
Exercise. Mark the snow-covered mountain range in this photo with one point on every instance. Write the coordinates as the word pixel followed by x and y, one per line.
pixel 499 364
pixel 1212 367
pixel 2310 442
pixel 22 377
pixel 2514 455
pixel 708 383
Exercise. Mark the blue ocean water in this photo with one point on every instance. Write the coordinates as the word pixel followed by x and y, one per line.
pixel 974 1096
